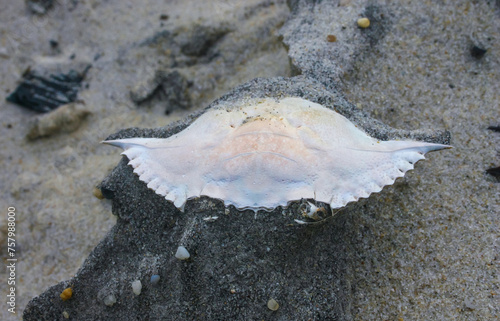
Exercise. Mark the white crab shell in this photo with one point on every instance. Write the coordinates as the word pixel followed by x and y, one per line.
pixel 268 153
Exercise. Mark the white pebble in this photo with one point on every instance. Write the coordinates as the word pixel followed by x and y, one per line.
pixel 4 53
pixel 137 287
pixel 110 300
pixel 272 305
pixel 182 253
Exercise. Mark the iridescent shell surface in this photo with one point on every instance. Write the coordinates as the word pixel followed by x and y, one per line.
pixel 267 153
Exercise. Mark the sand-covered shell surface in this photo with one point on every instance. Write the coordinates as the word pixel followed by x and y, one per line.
pixel 268 153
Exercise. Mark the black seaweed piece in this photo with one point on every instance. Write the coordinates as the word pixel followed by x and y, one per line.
pixel 45 93
pixel 494 128
pixel 495 171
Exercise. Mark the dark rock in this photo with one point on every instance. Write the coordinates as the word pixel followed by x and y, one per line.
pixel 53 43
pixel 201 39
pixel 44 92
pixel 237 262
pixel 169 87
pixel 477 52
pixel 494 128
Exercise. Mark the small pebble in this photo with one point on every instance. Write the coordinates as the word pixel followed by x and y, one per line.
pixel 331 38
pixel 66 294
pixel 65 315
pixel 137 287
pixel 469 304
pixel 98 193
pixel 363 23
pixel 182 253
pixel 155 279
pixel 4 53
pixel 272 305
pixel 65 119
pixel 477 52
pixel 110 300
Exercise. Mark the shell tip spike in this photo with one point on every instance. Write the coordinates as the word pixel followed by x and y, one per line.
pixel 116 143
pixel 180 207
pixel 435 147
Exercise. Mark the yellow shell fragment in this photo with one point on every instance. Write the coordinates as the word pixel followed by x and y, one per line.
pixel 66 294
pixel 363 23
